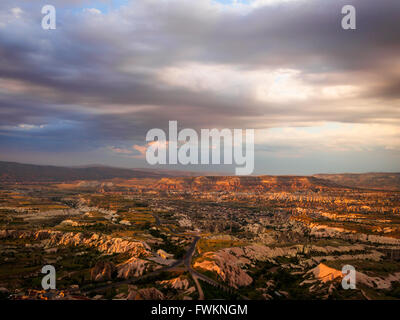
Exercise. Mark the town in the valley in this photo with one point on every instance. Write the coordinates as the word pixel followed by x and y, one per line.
pixel 201 237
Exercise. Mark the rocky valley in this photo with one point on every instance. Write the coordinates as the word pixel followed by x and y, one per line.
pixel 204 237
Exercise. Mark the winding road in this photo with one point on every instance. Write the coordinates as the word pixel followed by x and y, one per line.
pixel 186 261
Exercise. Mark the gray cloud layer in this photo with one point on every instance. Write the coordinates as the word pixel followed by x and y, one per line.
pixel 101 73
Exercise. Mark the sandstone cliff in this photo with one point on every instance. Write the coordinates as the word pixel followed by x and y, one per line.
pixel 146 294
pixel 178 283
pixel 103 243
pixel 245 184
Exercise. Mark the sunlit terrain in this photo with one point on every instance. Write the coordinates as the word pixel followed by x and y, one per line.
pixel 267 237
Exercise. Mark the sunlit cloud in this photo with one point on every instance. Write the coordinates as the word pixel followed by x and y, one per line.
pixel 108 74
pixel 335 137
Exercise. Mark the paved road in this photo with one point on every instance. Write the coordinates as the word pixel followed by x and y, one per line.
pixel 186 260
pixel 188 263
pixel 198 286
pixel 197 275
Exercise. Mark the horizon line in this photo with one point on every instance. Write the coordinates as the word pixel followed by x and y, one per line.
pixel 199 173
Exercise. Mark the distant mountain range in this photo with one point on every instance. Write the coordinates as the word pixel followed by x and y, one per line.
pixel 373 180
pixel 11 172
pixel 18 172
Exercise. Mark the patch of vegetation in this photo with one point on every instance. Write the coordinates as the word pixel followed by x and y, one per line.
pixel 214 293
pixel 167 244
pixel 205 245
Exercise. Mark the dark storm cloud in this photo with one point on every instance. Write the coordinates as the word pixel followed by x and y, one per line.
pixel 103 71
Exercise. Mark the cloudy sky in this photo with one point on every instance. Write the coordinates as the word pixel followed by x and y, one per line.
pixel 322 99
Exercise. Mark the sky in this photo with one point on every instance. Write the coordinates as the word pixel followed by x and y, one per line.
pixel 320 98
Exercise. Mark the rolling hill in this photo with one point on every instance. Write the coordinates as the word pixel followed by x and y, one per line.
pixel 373 180
pixel 18 172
